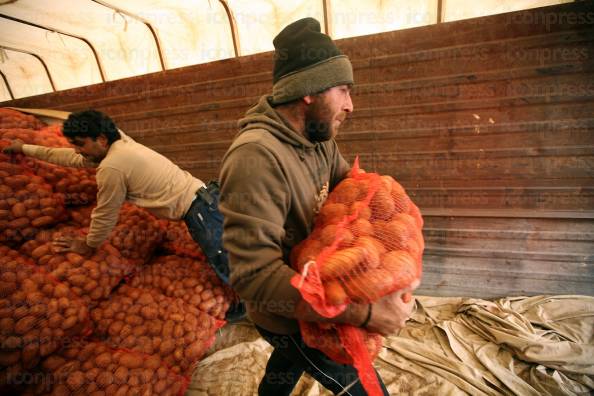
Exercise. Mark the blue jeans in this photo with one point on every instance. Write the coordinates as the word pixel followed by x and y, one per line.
pixel 205 224
pixel 291 357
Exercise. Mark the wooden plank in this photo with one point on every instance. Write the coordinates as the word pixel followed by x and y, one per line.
pixel 470 276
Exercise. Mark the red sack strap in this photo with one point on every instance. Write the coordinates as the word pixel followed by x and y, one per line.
pixel 352 339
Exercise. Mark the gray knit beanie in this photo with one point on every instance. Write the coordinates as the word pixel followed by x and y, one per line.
pixel 306 62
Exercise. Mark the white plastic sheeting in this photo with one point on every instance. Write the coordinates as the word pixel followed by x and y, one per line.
pixel 189 31
pixel 258 21
pixel 464 9
pixel 358 18
pixel 26 69
pixel 85 42
pixel 69 60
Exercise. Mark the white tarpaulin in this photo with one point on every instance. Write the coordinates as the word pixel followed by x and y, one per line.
pixel 541 346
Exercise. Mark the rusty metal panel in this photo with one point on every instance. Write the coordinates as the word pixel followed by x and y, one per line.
pixel 488 123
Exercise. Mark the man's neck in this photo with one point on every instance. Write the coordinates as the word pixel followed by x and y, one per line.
pixel 294 117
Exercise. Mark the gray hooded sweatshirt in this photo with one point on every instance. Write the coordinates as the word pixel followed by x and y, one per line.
pixel 273 183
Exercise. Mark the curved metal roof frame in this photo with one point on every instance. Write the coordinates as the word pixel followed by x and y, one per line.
pixel 7 84
pixel 233 25
pixel 147 23
pixel 39 58
pixel 440 10
pixel 87 42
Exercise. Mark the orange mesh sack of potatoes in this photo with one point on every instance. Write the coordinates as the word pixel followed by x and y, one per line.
pixel 48 136
pixel 48 235
pixel 27 202
pixel 326 338
pixel 137 234
pixel 93 368
pixel 37 314
pixel 10 119
pixel 177 240
pixel 92 278
pixel 186 278
pixel 366 244
pixel 77 185
pixel 149 322
pixel 80 216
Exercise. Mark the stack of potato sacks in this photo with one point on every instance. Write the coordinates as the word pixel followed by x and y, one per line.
pixel 131 319
pixel 366 244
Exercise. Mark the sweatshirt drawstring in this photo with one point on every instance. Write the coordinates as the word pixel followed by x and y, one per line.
pixel 302 153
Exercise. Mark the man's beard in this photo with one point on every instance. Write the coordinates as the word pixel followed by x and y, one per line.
pixel 317 128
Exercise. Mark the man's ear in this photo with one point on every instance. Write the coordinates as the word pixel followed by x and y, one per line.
pixel 308 99
pixel 102 139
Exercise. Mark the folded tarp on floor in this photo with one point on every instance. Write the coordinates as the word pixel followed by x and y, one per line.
pixel 451 346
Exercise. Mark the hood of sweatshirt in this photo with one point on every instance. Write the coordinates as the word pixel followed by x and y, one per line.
pixel 263 116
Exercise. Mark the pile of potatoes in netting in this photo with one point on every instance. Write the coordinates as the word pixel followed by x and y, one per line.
pixel 133 318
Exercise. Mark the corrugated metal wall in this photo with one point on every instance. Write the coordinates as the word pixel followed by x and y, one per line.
pixel 488 123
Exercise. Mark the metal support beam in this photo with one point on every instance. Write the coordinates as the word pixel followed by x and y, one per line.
pixel 138 18
pixel 7 85
pixel 327 22
pixel 233 25
pixel 49 76
pixel 65 34
pixel 439 11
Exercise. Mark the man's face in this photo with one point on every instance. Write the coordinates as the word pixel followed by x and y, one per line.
pixel 92 150
pixel 326 112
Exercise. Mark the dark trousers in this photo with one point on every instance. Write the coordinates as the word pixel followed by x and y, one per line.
pixel 205 224
pixel 291 357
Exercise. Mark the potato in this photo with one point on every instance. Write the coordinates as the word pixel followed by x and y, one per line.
pixel 115 328
pixel 52 363
pixel 332 213
pixel 75 380
pixel 167 347
pixel 194 350
pixel 25 324
pixel 131 360
pixel 103 360
pixel 104 379
pixel 394 234
pixel 9 358
pixel 149 312
pixel 69 322
pixel 19 210
pixel 19 223
pixel 382 206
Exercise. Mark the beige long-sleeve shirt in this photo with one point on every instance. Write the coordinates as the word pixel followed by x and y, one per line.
pixel 129 171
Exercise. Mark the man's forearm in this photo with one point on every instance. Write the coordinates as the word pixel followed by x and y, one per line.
pixel 58 156
pixel 354 314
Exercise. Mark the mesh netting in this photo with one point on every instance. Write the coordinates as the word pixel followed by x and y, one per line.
pixel 37 313
pixel 94 368
pixel 177 240
pixel 149 322
pixel 366 244
pixel 76 185
pixel 10 119
pixel 326 338
pixel 80 216
pixel 27 203
pixel 50 136
pixel 191 280
pixel 137 234
pixel 92 278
